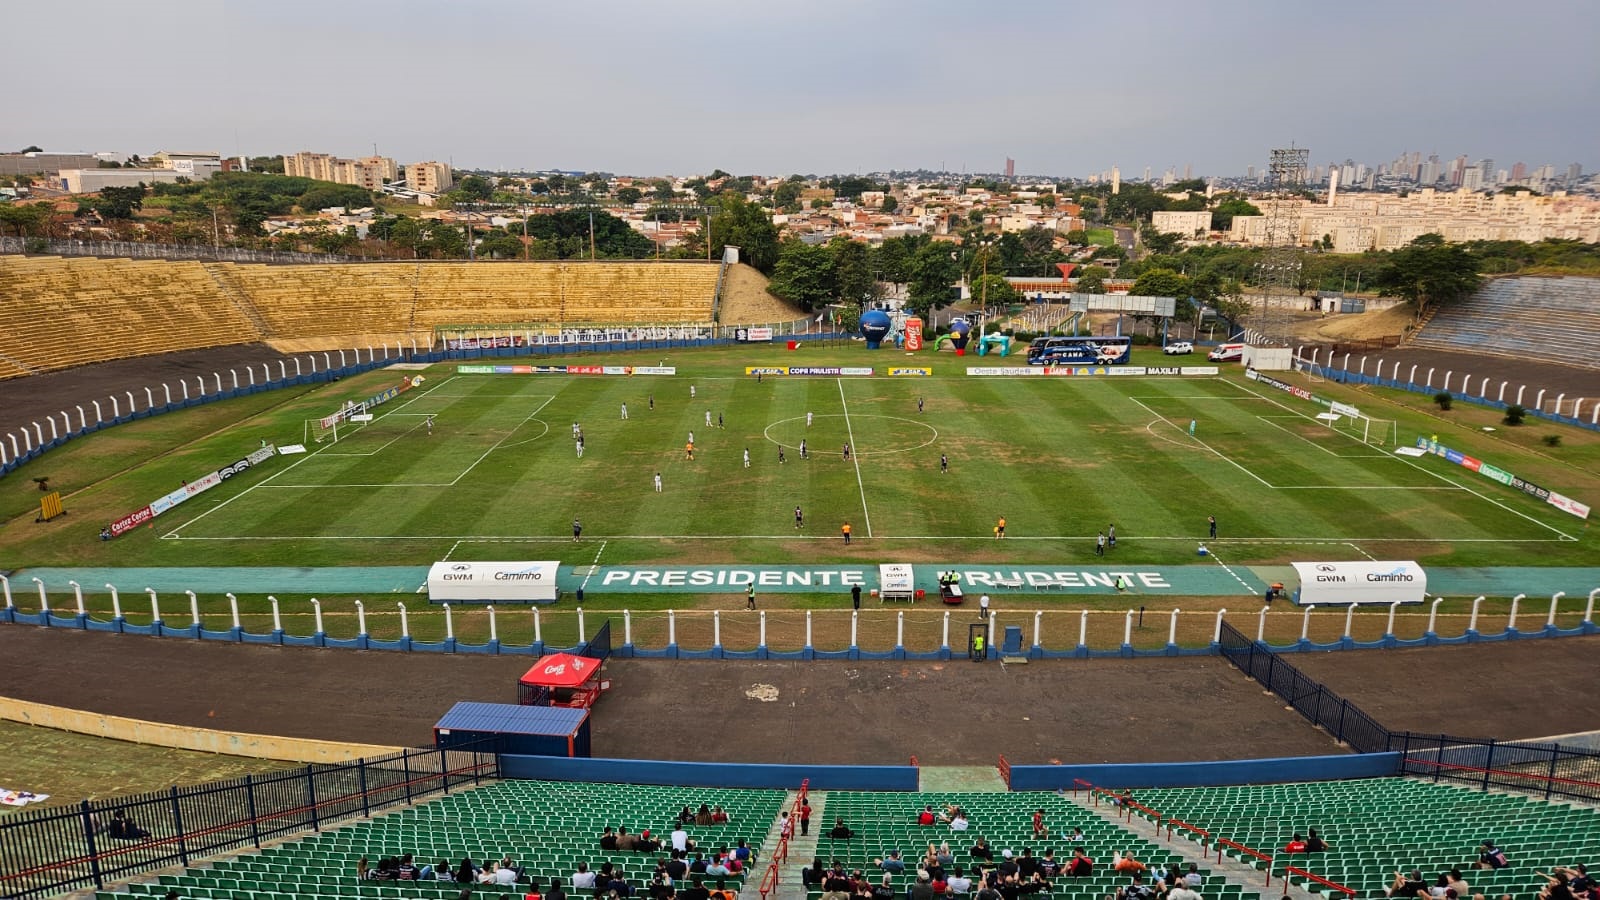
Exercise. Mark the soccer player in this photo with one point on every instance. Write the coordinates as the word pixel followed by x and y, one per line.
pixel 708 418
pixel 652 401
pixel 799 518
pixel 688 451
pixel 580 446
pixel 575 429
pixel 658 482
pixel 847 451
pixel 1000 528
pixel 944 464
pixel 803 449
pixel 1111 536
pixel 1100 543
pixel 428 421
pixel 719 421
pixel 845 530
pixel 624 410
pixel 1212 522
pixel 750 596
pixel 577 529
pixel 747 457
pixel 691 392
pixel 808 420
pixel 919 405
pixel 691 437
pixel 780 455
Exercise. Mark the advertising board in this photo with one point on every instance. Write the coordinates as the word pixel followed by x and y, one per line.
pixel 1360 582
pixel 488 582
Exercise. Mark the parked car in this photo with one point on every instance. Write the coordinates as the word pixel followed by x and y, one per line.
pixel 1178 348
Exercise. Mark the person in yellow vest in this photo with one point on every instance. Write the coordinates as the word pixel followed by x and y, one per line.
pixel 845 531
pixel 1000 528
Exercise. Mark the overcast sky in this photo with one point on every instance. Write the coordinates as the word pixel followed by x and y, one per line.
pixel 826 86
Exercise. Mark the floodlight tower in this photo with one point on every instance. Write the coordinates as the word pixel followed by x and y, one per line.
pixel 1279 273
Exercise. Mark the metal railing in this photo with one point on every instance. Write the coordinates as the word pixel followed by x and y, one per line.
pixel 1344 720
pixel 65 848
pixel 142 250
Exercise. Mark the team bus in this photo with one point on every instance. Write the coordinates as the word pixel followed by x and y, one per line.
pixel 1079 351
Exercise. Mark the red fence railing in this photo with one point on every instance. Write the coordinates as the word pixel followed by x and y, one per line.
pixel 1126 807
pixel 1005 770
pixel 1247 851
pixel 769 879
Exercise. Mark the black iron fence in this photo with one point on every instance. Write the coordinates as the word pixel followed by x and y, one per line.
pixel 1551 771
pixel 1346 721
pixel 56 849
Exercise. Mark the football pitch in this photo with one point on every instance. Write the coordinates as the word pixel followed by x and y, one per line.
pixel 486 467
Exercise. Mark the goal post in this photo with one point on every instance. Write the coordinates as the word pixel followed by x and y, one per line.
pixel 1367 430
pixel 318 430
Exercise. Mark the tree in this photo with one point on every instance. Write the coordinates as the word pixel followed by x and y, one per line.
pixel 31 148
pixel 1078 236
pixel 474 188
pixel 786 196
pixel 895 257
pixel 995 290
pixel 1161 283
pixel 24 219
pixel 498 244
pixel 890 204
pixel 1092 280
pixel 1158 241
pixel 664 191
pixel 804 274
pixel 747 226
pixel 852 266
pixel 1428 271
pixel 932 273
pixel 629 195
pixel 1222 215
pixel 324 195
pixel 120 202
pixel 568 230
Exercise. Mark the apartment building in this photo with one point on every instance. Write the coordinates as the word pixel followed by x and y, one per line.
pixel 370 172
pixel 1358 222
pixel 428 177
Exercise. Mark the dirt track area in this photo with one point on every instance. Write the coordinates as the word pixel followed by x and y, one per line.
pixel 25 400
pixel 1509 689
pixel 1554 379
pixel 839 712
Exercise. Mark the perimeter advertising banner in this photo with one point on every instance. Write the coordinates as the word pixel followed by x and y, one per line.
pixel 913 334
pixel 189 489
pixel 520 582
pixel 1080 371
pixel 1565 504
pixel 481 369
pixel 1360 582
pixel 808 370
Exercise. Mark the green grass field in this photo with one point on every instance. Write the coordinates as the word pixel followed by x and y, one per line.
pixel 1059 458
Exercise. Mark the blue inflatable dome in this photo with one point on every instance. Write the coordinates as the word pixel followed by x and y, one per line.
pixel 874 327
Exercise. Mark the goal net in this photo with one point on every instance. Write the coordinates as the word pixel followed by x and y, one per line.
pixel 1367 430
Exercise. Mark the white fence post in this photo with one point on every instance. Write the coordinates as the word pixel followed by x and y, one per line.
pixel 316 608
pixel 116 600
pixel 233 607
pixel 581 630
pixel 808 629
pixel 1433 614
pixel 405 622
pixel 277 616
pixel 900 630
pixel 1261 624
pixel 716 628
pixel 538 627
pixel 194 609
pixel 1172 629
pixel 1511 621
pixel 494 628
pixel 1472 621
pixel 944 641
pixel 1305 621
pixel 1388 628
pixel 77 591
pixel 1588 609
pixel 1038 619
pixel 449 623
pixel 672 628
pixel 854 621
pixel 361 619
pixel 155 607
pixel 1216 630
pixel 761 642
pixel 1349 615
pixel 1550 622
pixel 627 628
pixel 1127 629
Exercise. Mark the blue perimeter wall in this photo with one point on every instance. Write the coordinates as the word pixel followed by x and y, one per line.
pixel 1195 774
pixel 699 774
pixel 905 778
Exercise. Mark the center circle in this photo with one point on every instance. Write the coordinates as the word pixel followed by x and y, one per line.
pixel 830 431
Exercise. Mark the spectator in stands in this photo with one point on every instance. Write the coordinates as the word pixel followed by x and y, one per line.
pixel 835 885
pixel 407 871
pixel 1076 837
pixel 958 882
pixel 504 875
pixel 618 886
pixel 1182 891
pixel 506 862
pixel 443 871
pixel 1557 887
pixel 626 842
pixel 646 843
pixel 922 889
pixel 1192 879
pixel 719 816
pixel 466 872
pixel 1581 882
pixel 660 886
pixel 1126 864
pixel 981 849
pixel 884 890
pixel 943 855
pixel 718 866
pixel 1491 857
pixel 723 892
pixel 533 890
pixel 362 867
pixel 1081 865
pixel 1459 884
pixel 926 816
pixel 703 817
pixel 743 852
pixel 698 866
pixel 583 879
pixel 685 816
pixel 1297 844
pixel 891 863
pixel 680 838
pixel 1315 843
pixel 1135 889
pixel 959 823
pixel 840 832
pixel 812 875
pixel 608 840
pixel 1038 824
pixel 555 892
pixel 1407 888
pixel 1048 864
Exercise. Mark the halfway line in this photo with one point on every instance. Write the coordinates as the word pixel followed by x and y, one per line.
pixel 855 457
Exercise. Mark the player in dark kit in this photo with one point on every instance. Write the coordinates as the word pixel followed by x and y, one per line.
pixel 799 518
pixel 944 464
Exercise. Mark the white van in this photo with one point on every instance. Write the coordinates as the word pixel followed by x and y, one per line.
pixel 1226 353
